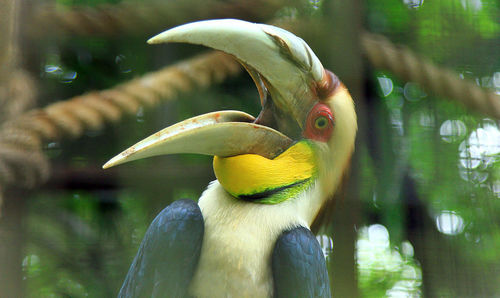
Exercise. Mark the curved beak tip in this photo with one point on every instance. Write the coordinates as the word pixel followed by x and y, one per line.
pixel 112 162
pixel 154 40
pixel 119 159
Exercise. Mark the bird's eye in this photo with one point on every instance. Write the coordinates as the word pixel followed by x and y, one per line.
pixel 320 123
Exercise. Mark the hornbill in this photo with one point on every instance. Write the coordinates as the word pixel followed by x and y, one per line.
pixel 249 235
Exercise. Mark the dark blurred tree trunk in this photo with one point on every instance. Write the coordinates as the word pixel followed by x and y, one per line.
pixel 7 38
pixel 11 209
pixel 343 266
pixel 342 54
pixel 446 271
pixel 15 96
pixel 12 238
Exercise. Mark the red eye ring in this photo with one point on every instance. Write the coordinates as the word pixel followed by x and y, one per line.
pixel 319 123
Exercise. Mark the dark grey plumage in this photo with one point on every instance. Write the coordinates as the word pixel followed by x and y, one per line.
pixel 299 266
pixel 168 255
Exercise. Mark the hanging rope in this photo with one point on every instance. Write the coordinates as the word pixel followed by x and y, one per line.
pixel 23 163
pixel 406 65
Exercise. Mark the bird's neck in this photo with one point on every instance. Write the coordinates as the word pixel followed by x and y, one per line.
pixel 238 242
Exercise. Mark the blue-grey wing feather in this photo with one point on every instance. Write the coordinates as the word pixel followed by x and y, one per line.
pixel 168 255
pixel 299 266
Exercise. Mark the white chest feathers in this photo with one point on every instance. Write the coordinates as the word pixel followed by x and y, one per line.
pixel 239 238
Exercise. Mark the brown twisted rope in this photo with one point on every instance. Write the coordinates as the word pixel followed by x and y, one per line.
pixel 17 94
pixel 133 18
pixel 442 82
pixel 21 160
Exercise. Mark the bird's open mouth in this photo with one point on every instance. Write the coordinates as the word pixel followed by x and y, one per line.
pixel 224 133
pixel 284 70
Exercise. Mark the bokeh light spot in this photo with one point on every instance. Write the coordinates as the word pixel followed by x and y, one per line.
pixel 449 223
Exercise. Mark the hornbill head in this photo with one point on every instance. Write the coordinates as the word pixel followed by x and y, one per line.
pixel 301 142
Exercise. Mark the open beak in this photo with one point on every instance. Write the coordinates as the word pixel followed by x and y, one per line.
pixel 285 71
pixel 225 133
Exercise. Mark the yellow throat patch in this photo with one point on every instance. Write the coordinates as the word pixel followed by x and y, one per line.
pixel 269 181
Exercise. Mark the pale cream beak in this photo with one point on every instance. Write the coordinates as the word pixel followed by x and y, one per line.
pixel 287 66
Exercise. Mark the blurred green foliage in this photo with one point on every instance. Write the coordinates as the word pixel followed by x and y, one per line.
pixel 82 239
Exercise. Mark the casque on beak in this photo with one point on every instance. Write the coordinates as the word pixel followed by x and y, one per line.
pixel 286 72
